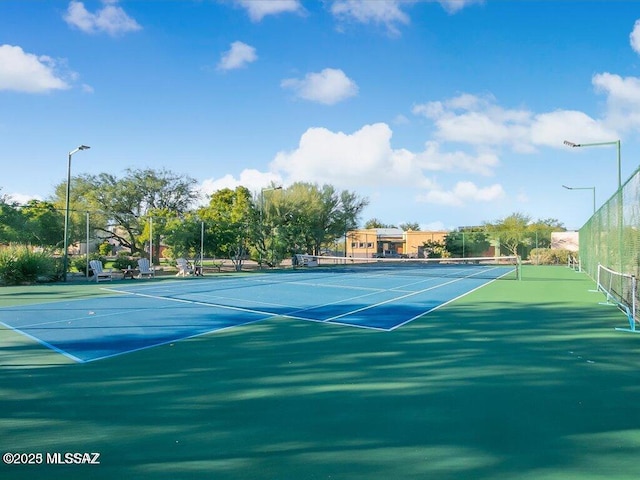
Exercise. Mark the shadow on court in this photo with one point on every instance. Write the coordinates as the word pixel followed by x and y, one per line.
pixel 513 381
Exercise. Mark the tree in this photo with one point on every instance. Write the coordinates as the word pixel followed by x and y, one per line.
pixel 306 216
pixel 467 243
pixel 413 226
pixel 182 235
pixel 120 207
pixel 231 221
pixel 541 230
pixel 512 231
pixel 42 224
pixel 434 249
pixel 37 223
pixel 375 223
pixel 10 220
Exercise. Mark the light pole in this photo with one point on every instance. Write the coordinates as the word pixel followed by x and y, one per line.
pixel 266 189
pixel 585 188
pixel 597 144
pixel 619 191
pixel 66 212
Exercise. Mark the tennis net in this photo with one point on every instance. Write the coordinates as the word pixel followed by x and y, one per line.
pixel 621 290
pixel 504 267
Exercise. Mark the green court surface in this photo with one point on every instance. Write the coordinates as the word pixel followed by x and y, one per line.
pixel 517 380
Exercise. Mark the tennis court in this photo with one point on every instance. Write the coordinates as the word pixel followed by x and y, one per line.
pixel 142 315
pixel 515 380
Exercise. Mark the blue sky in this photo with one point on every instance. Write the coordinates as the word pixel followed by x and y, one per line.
pixel 445 113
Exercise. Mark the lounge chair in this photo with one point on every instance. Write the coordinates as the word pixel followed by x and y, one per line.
pixel 99 273
pixel 145 269
pixel 184 268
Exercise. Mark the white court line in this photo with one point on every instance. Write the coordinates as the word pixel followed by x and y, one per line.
pixel 368 307
pixel 336 302
pixel 192 302
pixel 441 305
pixel 43 343
pixel 292 313
pixel 75 319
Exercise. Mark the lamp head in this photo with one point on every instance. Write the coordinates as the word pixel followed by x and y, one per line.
pixel 571 144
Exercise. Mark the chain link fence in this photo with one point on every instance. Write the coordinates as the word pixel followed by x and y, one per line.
pixel 611 237
pixel 610 242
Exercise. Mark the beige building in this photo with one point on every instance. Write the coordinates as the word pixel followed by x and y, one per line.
pixel 383 242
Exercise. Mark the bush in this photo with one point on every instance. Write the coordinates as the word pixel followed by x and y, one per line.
pixel 21 265
pixel 548 256
pixel 105 249
pixel 123 261
pixel 80 262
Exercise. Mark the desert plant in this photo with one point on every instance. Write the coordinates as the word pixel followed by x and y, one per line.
pixel 19 264
pixel 548 256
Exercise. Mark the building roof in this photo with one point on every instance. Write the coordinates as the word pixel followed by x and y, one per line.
pixel 389 232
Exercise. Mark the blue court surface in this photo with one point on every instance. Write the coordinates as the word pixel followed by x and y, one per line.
pixel 144 314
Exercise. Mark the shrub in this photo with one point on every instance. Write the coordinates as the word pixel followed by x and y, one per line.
pixel 21 265
pixel 548 256
pixel 80 262
pixel 105 249
pixel 123 261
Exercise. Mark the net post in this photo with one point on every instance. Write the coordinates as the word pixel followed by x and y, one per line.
pixel 634 301
pixel 597 289
pixel 621 291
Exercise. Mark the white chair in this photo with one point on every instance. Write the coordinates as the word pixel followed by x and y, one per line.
pixel 184 268
pixel 99 273
pixel 145 269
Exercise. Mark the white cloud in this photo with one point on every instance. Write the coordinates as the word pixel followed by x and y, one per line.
pixel 388 13
pixel 453 6
pixel 239 55
pixel 433 226
pixel 110 19
pixel 253 179
pixel 26 72
pixel 382 12
pixel 366 158
pixel 433 159
pixel 329 86
pixel 623 99
pixel 463 193
pixel 22 198
pixel 481 122
pixel 401 120
pixel 522 197
pixel 634 37
pixel 477 121
pixel 257 10
pixel 362 158
pixel 619 88
pixel 548 128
